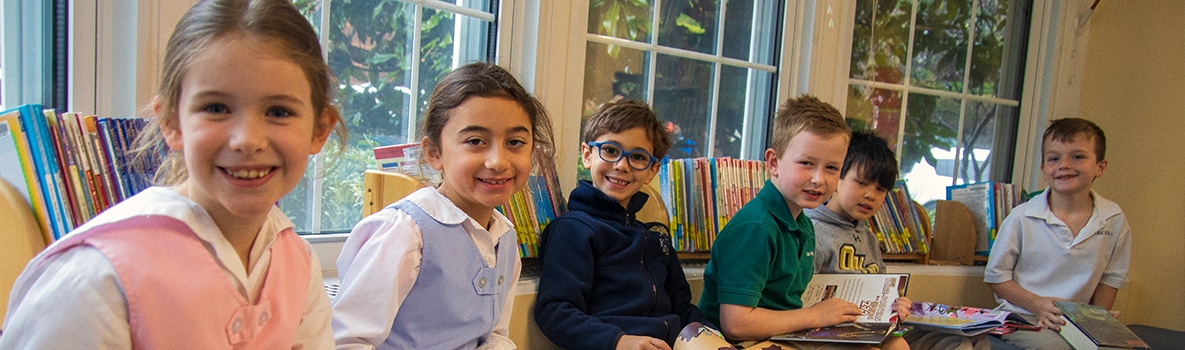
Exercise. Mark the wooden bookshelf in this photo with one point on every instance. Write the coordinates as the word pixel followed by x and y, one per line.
pixel 686 256
pixel 927 234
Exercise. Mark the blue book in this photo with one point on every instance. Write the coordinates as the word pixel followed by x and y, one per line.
pixel 46 165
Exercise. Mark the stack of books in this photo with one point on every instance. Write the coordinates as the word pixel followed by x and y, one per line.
pixel 989 203
pixel 70 166
pixel 898 224
pixel 703 194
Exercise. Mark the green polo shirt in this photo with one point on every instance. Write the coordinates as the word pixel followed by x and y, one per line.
pixel 764 257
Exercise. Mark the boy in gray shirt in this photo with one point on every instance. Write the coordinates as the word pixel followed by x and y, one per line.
pixel 843 241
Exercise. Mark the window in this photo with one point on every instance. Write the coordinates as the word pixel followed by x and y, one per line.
pixel 388 56
pixel 709 70
pixel 941 81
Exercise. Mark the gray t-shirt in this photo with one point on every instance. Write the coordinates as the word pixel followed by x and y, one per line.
pixel 843 246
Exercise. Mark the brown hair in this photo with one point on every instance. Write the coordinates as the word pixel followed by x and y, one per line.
pixel 1069 129
pixel 616 117
pixel 805 113
pixel 282 31
pixel 486 80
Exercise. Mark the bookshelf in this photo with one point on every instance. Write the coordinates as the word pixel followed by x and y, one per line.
pixel 69 166
pixel 927 233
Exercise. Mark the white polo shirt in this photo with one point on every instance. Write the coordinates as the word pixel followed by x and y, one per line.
pixel 1037 250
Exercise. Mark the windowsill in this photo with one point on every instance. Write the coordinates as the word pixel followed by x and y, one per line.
pixel 328 246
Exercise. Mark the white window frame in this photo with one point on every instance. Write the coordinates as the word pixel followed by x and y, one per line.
pixel 1052 82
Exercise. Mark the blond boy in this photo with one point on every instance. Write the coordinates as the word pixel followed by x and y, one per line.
pixel 764 258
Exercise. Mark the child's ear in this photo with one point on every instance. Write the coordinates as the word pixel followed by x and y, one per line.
pixel 169 129
pixel 322 128
pixel 585 155
pixel 431 154
pixel 653 172
pixel 771 162
pixel 1102 167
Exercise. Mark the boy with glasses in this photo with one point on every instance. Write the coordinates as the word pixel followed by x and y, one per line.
pixel 609 281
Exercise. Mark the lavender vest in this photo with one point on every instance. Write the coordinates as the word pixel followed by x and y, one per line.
pixel 178 297
pixel 456 300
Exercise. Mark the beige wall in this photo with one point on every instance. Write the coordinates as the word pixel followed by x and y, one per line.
pixel 1134 88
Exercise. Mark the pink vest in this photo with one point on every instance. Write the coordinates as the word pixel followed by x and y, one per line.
pixel 178 296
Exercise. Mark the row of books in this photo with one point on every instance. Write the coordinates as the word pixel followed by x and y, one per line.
pixel 703 194
pixel 898 224
pixel 70 166
pixel 989 203
pixel 530 209
pixel 533 207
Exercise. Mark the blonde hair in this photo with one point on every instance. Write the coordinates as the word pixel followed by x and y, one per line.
pixel 277 24
pixel 805 113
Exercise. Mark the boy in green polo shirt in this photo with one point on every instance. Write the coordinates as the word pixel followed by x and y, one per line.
pixel 764 257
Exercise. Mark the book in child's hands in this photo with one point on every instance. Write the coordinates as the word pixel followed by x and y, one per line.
pixel 873 293
pixel 960 320
pixel 697 336
pixel 1093 327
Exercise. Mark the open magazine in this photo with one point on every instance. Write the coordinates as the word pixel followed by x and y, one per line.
pixel 873 293
pixel 964 320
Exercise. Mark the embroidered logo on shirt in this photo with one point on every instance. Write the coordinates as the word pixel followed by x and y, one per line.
pixel 1105 233
pixel 664 237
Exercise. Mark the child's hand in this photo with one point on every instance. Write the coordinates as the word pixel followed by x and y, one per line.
pixel 1048 315
pixel 902 306
pixel 637 342
pixel 834 311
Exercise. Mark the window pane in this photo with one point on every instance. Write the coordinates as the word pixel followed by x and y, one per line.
pixel 439 53
pixel 613 73
pixel 483 5
pixel 311 9
pixel 749 30
pixel 689 25
pixel 979 152
pixel 998 58
pixel 735 103
pixel 880 39
pixel 927 153
pixel 940 44
pixel 628 20
pixel 682 96
pixel 876 110
pixel 382 88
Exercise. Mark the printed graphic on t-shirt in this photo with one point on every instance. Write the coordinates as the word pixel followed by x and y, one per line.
pixel 848 260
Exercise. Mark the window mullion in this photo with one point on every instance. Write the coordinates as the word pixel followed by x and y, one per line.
pixel 652 54
pixel 906 80
pixel 964 91
pixel 413 107
pixel 714 104
pixel 317 183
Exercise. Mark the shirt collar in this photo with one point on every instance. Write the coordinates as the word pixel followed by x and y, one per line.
pixel 441 209
pixel 773 199
pixel 1103 208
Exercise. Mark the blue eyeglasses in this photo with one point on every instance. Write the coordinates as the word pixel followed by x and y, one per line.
pixel 612 152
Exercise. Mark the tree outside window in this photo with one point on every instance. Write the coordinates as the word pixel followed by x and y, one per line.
pixel 708 70
pixel 941 81
pixel 387 56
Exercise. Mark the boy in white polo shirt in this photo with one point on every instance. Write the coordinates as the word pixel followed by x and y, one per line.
pixel 1068 243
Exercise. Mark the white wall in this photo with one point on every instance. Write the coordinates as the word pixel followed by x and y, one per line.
pixel 1133 88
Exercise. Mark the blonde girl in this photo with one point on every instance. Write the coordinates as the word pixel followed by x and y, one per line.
pixel 437 269
pixel 205 260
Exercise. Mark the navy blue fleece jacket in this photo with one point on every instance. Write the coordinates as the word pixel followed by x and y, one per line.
pixel 605 274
